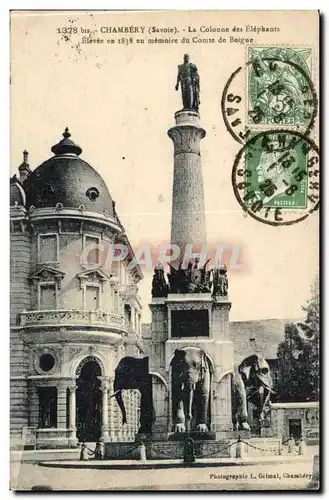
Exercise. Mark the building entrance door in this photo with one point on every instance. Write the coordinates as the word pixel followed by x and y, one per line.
pixel 89 403
pixel 295 428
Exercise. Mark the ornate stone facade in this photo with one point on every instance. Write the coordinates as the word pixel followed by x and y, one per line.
pixel 69 321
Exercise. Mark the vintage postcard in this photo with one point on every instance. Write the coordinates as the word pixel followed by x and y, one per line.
pixel 164 222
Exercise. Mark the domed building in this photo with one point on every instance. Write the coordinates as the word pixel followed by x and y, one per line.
pixel 75 308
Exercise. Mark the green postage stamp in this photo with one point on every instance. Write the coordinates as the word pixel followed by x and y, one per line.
pixel 275 174
pixel 279 80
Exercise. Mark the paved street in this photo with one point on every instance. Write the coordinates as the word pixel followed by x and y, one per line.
pixel 271 476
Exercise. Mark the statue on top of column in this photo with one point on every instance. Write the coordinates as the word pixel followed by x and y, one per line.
pixel 189 80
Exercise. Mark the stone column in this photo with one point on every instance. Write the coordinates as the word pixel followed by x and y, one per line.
pixel 188 217
pixel 111 413
pixel 105 411
pixel 72 416
pixel 61 406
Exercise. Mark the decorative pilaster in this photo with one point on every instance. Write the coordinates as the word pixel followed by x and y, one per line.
pixel 220 319
pixel 33 400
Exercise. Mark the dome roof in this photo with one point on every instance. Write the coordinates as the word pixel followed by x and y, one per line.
pixel 67 179
pixel 17 195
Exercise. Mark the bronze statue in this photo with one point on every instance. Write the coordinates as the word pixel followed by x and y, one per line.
pixel 194 279
pixel 206 285
pixel 220 281
pixel 252 382
pixel 189 80
pixel 159 285
pixel 178 280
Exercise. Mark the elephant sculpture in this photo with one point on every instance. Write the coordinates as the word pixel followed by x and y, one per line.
pixel 252 382
pixel 133 373
pixel 190 389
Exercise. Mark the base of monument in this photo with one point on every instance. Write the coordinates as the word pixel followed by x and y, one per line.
pixel 175 463
pixel 173 448
pixel 166 450
pixel 243 434
pixel 195 435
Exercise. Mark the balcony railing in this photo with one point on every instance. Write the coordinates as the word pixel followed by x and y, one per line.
pixel 72 317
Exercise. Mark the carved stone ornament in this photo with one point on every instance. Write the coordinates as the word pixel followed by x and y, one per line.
pixel 186 139
pixel 86 360
pixel 92 276
pixel 73 351
pixel 192 306
pixel 46 273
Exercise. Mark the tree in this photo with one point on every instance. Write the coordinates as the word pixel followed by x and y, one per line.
pixel 298 356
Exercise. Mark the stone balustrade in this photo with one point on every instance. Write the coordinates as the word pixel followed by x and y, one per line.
pixel 72 317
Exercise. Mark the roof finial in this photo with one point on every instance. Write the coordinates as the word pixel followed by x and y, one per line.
pixel 25 157
pixel 66 145
pixel 24 168
pixel 66 133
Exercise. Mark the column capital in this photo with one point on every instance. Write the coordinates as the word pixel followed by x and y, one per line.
pixel 105 383
pixel 66 383
pixel 62 386
pixel 186 138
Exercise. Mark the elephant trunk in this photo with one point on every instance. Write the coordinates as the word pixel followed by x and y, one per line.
pixel 118 397
pixel 190 395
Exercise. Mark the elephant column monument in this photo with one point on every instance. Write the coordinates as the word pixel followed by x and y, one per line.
pixel 191 354
pixel 188 384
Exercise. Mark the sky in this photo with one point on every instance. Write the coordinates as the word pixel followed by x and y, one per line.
pixel 119 102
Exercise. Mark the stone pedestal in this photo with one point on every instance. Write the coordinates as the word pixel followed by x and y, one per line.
pixel 195 435
pixel 214 342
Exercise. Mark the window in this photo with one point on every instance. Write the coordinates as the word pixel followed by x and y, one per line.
pixel 295 428
pixel 46 362
pixel 91 245
pixel 115 301
pixel 92 193
pixel 48 298
pixel 92 298
pixel 48 248
pixel 47 407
